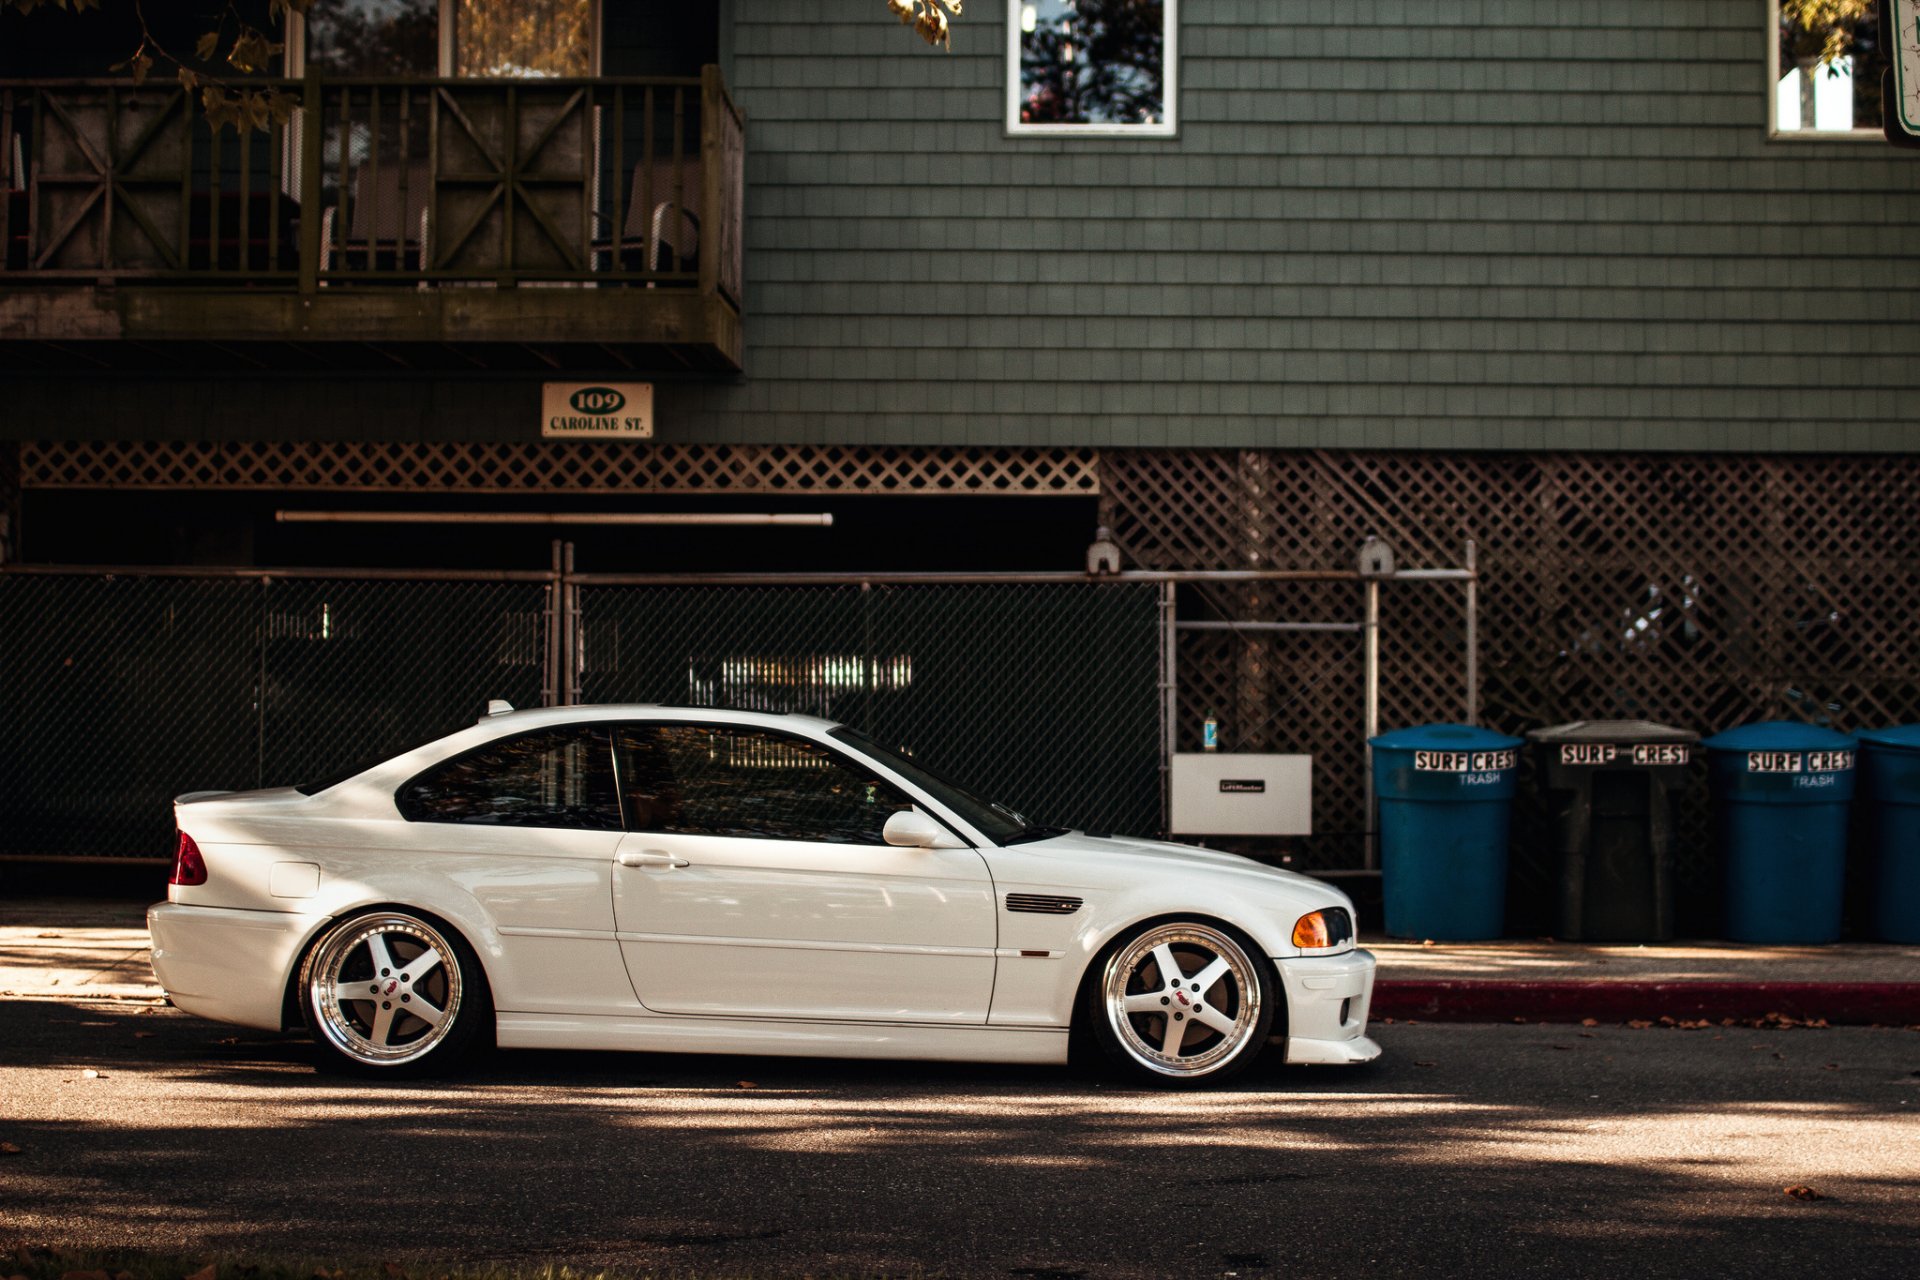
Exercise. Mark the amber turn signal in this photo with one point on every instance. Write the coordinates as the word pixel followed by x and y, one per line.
pixel 1311 930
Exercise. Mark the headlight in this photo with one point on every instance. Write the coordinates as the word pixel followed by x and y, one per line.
pixel 1318 930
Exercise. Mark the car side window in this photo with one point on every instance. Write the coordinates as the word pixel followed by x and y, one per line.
pixel 548 778
pixel 720 780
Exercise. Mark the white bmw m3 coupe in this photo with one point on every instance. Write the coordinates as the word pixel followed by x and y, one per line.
pixel 695 880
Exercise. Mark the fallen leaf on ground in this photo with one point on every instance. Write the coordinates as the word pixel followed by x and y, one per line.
pixel 1589 1022
pixel 1800 1191
pixel 46 935
pixel 747 1084
pixel 9 1149
pixel 1640 1024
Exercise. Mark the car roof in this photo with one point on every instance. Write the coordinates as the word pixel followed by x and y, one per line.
pixel 539 717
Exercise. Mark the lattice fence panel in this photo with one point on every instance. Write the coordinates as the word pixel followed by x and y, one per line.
pixel 1704 591
pixel 556 466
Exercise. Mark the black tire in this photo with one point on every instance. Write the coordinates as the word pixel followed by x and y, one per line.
pixel 1130 1008
pixel 413 968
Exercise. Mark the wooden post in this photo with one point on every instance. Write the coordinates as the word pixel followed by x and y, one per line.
pixel 310 127
pixel 713 100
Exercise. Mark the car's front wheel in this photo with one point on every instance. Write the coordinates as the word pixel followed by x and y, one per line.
pixel 1182 1002
pixel 390 993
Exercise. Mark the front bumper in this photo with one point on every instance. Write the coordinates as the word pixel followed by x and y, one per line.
pixel 1328 999
pixel 226 964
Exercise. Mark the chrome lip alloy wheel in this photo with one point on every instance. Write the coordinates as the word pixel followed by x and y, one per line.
pixel 1182 999
pixel 385 989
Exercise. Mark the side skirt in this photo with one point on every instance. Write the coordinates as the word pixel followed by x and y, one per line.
pixel 783 1039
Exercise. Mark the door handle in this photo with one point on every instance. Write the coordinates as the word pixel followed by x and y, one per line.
pixel 648 858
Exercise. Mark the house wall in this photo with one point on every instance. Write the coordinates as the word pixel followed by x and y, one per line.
pixel 1513 224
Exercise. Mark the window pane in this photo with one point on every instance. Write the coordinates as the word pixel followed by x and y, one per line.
pixel 551 778
pixel 1829 69
pixel 1092 62
pixel 522 38
pixel 374 38
pixel 695 780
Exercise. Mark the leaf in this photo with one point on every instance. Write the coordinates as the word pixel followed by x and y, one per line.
pixel 141 65
pixel 747 1084
pixel 1800 1191
pixel 1638 1024
pixel 10 1149
pixel 206 46
pixel 1589 1022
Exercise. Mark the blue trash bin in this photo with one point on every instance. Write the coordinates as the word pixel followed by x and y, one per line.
pixel 1890 789
pixel 1781 793
pixel 1446 798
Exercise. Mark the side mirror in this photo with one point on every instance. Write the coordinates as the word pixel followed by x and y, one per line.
pixel 912 829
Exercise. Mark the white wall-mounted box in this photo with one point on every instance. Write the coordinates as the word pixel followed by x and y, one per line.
pixel 1219 793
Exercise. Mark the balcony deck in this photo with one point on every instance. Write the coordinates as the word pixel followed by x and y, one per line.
pixel 545 224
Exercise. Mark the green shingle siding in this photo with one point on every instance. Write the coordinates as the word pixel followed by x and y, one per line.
pixel 1504 224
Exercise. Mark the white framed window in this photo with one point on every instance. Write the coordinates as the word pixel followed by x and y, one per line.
pixel 1823 72
pixel 1092 68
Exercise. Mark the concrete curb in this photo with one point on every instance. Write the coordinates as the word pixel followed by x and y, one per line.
pixel 1467 1000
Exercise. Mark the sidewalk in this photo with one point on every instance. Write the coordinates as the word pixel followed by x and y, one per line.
pixel 1547 981
pixel 83 949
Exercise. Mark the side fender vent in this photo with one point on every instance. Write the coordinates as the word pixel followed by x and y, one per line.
pixel 1046 904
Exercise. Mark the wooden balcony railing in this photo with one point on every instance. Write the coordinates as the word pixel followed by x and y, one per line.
pixel 378 185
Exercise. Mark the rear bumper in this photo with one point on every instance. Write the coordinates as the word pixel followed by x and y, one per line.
pixel 226 964
pixel 1328 999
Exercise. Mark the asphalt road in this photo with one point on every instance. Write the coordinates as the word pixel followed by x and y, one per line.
pixel 1484 1150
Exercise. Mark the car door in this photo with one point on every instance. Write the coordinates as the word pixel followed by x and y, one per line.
pixel 754 882
pixel 528 825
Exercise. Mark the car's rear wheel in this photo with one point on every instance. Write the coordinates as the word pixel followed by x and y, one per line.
pixel 391 993
pixel 1182 1002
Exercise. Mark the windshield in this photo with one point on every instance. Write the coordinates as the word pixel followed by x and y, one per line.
pixel 994 820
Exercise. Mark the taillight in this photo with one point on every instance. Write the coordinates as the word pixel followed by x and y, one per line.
pixel 188 866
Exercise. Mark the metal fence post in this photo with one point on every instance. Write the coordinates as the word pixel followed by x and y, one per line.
pixel 551 656
pixel 574 644
pixel 1372 629
pixel 1169 702
pixel 1473 632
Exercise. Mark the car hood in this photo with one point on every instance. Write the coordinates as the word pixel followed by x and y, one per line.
pixel 1104 854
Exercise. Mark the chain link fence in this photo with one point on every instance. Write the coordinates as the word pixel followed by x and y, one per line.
pixel 120 691
pixel 123 689
pixel 1044 696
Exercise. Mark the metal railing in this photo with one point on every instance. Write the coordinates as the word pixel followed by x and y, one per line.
pixel 379 182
